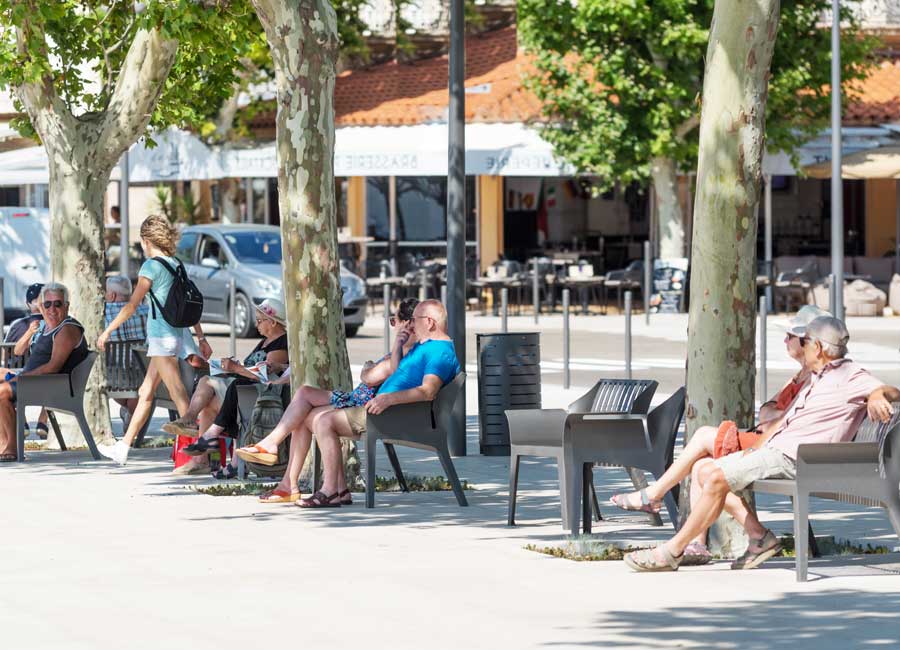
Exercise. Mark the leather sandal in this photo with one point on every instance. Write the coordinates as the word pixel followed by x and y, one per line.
pixel 651 507
pixel 645 560
pixel 321 500
pixel 758 551
pixel 202 446
pixel 224 473
pixel 279 496
pixel 345 498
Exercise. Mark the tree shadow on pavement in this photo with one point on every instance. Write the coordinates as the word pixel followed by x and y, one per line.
pixel 839 619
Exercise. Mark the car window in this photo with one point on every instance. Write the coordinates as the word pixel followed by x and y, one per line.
pixel 210 248
pixel 255 247
pixel 185 250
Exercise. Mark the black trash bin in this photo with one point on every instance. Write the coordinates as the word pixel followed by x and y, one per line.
pixel 509 377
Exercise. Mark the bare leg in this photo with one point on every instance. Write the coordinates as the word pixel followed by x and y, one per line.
pixel 306 399
pixel 707 509
pixel 329 428
pixel 203 398
pixel 144 403
pixel 699 446
pixel 8 443
pixel 171 377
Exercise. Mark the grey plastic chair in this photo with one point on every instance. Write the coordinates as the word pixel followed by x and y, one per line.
pixel 56 392
pixel 422 425
pixel 864 472
pixel 628 440
pixel 539 432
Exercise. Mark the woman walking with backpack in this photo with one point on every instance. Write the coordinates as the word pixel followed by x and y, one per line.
pixel 166 343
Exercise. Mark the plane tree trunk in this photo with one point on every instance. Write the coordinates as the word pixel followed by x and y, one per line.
pixel 721 364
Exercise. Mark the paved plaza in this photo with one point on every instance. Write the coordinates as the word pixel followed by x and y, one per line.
pixel 98 556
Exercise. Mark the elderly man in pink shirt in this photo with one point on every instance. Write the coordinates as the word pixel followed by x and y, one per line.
pixel 829 409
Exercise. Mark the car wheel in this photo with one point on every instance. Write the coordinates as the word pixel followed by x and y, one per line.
pixel 351 330
pixel 244 325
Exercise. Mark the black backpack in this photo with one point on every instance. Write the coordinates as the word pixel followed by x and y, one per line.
pixel 184 304
pixel 266 415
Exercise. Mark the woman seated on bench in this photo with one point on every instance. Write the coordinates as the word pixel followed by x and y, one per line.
pixel 712 442
pixel 210 395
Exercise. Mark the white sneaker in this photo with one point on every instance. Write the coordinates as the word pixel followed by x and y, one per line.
pixel 117 452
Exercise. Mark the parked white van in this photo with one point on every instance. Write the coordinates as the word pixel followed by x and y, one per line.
pixel 24 254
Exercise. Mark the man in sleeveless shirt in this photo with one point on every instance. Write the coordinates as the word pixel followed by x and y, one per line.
pixel 57 348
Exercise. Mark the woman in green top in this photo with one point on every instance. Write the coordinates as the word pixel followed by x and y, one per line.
pixel 165 344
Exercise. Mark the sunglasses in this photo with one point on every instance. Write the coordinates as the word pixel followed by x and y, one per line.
pixel 53 303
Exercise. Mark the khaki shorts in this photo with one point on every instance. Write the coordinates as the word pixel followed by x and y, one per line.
pixel 356 416
pixel 742 469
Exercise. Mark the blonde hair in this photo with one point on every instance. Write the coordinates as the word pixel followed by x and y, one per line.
pixel 161 233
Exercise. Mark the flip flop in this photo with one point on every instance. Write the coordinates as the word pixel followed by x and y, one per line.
pixel 321 500
pixel 645 560
pixel 257 454
pixel 621 501
pixel 279 496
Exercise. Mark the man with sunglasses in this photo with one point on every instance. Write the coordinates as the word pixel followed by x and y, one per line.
pixel 57 347
pixel 829 408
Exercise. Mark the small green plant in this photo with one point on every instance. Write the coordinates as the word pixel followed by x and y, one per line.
pixel 584 549
pixel 832 546
pixel 157 442
pixel 382 484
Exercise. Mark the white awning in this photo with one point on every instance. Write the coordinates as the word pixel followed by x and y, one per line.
pixel 421 150
pixel 178 156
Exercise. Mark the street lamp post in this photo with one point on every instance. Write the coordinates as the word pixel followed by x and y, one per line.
pixel 837 194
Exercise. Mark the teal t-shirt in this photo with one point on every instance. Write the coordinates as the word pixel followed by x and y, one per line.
pixel 428 358
pixel 161 281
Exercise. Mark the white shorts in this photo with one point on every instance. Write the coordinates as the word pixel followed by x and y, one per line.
pixel 170 346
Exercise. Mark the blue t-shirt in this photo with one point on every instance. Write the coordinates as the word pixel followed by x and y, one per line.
pixel 428 358
pixel 162 280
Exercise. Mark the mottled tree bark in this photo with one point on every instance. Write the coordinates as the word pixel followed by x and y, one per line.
pixel 303 38
pixel 721 360
pixel 81 152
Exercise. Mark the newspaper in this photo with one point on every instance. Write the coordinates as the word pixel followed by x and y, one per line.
pixel 259 370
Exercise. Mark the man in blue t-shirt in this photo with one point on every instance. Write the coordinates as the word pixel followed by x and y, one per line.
pixel 417 377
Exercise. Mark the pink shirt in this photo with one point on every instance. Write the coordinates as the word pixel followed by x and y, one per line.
pixel 829 409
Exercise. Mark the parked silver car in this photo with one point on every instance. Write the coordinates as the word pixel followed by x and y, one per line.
pixel 251 254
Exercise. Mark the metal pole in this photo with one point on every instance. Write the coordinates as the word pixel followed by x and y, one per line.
pixel 565 306
pixel 763 378
pixel 536 292
pixel 831 292
pixel 387 318
pixel 504 310
pixel 628 335
pixel 2 307
pixel 444 294
pixel 648 278
pixel 232 297
pixel 768 242
pixel 423 286
pixel 123 216
pixel 837 194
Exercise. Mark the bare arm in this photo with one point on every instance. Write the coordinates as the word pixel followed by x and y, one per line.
pixel 879 401
pixel 66 340
pixel 375 374
pixel 431 384
pixel 21 346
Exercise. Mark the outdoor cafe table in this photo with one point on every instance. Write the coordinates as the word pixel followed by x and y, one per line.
pixel 584 286
pixel 378 285
pixel 495 284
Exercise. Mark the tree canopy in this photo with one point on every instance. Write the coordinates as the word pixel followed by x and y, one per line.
pixel 620 80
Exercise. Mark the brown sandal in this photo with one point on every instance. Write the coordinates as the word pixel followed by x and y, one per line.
pixel 345 498
pixel 321 500
pixel 647 505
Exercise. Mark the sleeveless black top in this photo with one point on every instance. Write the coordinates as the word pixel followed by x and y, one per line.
pixel 42 348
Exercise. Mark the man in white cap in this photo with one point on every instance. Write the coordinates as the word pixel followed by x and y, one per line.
pixel 829 408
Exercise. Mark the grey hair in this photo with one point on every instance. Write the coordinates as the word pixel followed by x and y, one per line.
pixel 833 351
pixel 119 284
pixel 55 287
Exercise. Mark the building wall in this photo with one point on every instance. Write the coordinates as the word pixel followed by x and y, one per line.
pixel 881 215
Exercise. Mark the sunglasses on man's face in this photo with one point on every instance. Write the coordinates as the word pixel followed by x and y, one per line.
pixel 53 303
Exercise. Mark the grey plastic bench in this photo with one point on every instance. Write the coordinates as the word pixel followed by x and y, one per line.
pixel 56 392
pixel 421 425
pixel 539 432
pixel 644 442
pixel 864 472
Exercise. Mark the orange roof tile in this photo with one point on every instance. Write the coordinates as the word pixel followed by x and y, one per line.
pixel 396 94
